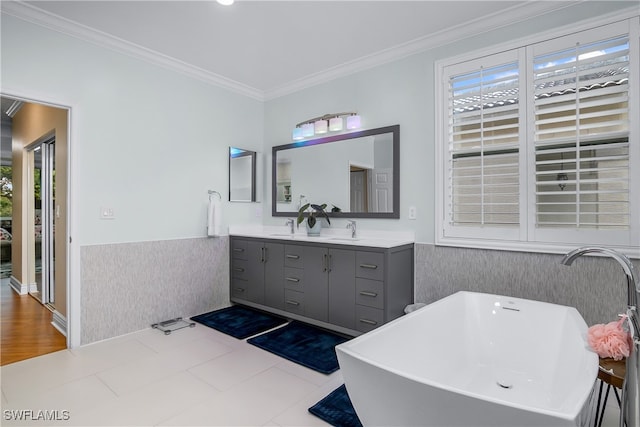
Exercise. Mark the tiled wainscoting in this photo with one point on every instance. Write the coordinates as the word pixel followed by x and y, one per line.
pixel 596 286
pixel 127 287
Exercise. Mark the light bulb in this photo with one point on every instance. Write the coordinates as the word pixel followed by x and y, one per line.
pixel 320 126
pixel 335 124
pixel 353 122
pixel 307 129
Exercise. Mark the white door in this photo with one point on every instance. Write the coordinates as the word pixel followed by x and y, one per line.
pixel 381 185
pixel 358 191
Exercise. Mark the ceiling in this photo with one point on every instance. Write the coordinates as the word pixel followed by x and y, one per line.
pixel 269 48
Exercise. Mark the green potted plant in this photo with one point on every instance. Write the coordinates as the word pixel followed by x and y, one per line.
pixel 313 225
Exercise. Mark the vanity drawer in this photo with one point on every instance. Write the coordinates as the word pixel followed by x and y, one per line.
pixel 239 249
pixel 368 318
pixel 294 301
pixel 294 279
pixel 370 265
pixel 370 293
pixel 239 269
pixel 293 256
pixel 239 288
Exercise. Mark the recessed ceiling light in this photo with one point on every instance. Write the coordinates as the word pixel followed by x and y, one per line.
pixel 225 2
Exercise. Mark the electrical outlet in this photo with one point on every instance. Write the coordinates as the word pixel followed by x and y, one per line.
pixel 412 212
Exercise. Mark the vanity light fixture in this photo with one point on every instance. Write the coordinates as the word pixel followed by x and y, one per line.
pixel 327 123
pixel 225 2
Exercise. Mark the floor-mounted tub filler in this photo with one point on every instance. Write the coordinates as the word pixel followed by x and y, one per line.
pixel 474 359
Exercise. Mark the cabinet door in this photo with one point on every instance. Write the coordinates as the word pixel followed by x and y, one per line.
pixel 316 291
pixel 255 272
pixel 342 285
pixel 273 275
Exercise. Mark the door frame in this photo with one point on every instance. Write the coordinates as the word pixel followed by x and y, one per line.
pixel 72 248
pixel 43 145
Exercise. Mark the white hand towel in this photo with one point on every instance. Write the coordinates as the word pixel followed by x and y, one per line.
pixel 214 217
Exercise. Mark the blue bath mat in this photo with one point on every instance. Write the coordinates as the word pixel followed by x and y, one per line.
pixel 238 321
pixel 336 409
pixel 303 344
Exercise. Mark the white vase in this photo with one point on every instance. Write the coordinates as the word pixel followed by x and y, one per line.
pixel 315 230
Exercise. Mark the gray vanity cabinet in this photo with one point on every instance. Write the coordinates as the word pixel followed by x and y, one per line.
pixel 257 271
pixel 351 289
pixel 319 282
pixel 330 285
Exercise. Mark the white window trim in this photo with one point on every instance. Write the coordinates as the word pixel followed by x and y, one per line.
pixel 582 236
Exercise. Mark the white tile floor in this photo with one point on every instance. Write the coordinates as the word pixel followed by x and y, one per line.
pixel 195 376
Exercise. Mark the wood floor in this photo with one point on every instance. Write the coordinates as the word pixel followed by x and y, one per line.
pixel 26 328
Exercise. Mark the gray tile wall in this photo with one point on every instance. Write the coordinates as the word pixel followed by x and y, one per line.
pixel 596 286
pixel 127 287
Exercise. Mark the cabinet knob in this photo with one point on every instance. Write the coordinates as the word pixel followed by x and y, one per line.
pixel 293 256
pixel 371 266
pixel 293 279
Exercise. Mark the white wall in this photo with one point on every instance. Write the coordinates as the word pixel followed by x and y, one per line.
pixel 147 142
pixel 402 92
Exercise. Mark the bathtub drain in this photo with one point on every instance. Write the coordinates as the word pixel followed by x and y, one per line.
pixel 503 385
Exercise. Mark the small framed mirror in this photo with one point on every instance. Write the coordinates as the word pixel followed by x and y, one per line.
pixel 242 175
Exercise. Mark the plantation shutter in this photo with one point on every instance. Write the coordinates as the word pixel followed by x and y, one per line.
pixel 581 136
pixel 483 166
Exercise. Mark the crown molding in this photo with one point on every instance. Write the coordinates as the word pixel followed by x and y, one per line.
pixel 57 23
pixel 480 25
pixel 506 17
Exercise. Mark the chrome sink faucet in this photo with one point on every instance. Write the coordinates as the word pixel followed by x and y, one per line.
pixel 290 223
pixel 352 226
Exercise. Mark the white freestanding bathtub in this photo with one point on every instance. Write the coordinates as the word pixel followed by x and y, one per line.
pixel 473 359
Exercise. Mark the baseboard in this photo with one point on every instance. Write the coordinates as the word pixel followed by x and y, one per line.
pixel 59 322
pixel 17 286
pixel 33 287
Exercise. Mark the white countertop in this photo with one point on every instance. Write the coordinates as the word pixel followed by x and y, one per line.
pixel 337 236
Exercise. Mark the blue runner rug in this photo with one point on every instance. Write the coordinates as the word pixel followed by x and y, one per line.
pixel 238 321
pixel 336 409
pixel 303 344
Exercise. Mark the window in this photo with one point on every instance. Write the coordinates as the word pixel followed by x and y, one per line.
pixel 536 144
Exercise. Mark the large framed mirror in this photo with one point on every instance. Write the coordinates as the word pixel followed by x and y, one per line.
pixel 356 173
pixel 242 175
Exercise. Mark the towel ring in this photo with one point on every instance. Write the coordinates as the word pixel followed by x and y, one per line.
pixel 211 192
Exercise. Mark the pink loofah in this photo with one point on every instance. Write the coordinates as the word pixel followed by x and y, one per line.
pixel 610 340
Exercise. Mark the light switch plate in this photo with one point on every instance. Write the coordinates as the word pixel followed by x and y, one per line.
pixel 107 213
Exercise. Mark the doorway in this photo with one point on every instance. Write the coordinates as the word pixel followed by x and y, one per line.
pixel 39 157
